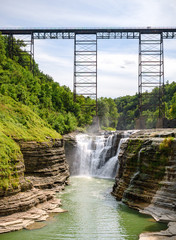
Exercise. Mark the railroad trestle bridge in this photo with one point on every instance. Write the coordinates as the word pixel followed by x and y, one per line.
pixel 151 56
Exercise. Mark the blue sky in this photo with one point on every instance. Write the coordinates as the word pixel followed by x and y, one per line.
pixel 117 59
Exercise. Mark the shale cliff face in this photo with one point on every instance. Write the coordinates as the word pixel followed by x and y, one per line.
pixel 42 165
pixel 45 163
pixel 146 177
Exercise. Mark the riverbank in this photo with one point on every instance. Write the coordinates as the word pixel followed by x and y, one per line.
pixel 38 214
pixel 169 234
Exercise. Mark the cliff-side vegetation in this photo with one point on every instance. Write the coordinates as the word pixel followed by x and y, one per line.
pixel 127 107
pixel 123 117
pixel 52 102
pixel 9 152
pixel 107 112
pixel 18 122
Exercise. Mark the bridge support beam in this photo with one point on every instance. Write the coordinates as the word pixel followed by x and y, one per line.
pixel 85 67
pixel 10 45
pixel 25 50
pixel 151 73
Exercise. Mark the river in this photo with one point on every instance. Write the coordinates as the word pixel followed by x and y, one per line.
pixel 93 213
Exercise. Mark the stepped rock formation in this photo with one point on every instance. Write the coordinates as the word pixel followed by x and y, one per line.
pixel 45 163
pixel 146 178
pixel 41 166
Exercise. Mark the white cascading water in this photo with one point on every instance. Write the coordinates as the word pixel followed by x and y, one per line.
pixel 93 154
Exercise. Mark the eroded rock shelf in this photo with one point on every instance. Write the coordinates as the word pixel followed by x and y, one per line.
pixel 42 166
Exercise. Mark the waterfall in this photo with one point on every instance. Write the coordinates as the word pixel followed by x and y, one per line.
pixel 97 156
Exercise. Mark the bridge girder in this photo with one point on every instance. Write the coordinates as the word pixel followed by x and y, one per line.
pixel 102 33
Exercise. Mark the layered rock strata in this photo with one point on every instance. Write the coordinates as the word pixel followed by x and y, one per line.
pixel 32 217
pixel 41 166
pixel 70 147
pixel 23 201
pixel 13 182
pixel 146 178
pixel 45 163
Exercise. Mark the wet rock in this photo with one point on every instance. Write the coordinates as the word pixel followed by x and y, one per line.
pixel 32 218
pixel 23 201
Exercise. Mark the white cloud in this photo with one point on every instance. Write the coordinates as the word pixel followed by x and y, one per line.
pixel 170 69
pixel 87 13
pixel 117 74
pixel 45 58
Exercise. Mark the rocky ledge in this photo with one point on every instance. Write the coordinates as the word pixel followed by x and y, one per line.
pixel 146 178
pixel 169 234
pixel 41 166
pixel 40 205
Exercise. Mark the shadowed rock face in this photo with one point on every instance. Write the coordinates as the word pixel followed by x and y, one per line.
pixel 45 163
pixel 41 166
pixel 146 178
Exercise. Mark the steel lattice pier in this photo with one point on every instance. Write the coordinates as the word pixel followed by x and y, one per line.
pixel 85 66
pixel 151 70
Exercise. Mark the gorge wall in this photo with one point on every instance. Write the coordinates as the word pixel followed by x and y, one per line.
pixel 45 163
pixel 146 176
pixel 40 166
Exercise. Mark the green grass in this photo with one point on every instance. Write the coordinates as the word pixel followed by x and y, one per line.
pixel 17 122
pixel 20 122
pixel 108 128
pixel 9 153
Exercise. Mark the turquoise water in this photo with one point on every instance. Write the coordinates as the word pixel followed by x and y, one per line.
pixel 92 214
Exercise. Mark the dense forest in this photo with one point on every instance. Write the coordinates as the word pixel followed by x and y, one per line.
pixel 121 112
pixel 54 103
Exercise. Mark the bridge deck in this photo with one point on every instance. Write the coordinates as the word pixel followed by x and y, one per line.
pixel 102 33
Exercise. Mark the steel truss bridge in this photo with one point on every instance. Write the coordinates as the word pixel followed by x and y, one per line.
pixel 151 56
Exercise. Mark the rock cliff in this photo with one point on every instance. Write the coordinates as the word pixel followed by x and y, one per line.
pixel 146 177
pixel 45 163
pixel 39 166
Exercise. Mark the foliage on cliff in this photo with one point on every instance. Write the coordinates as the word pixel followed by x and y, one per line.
pixel 20 122
pixel 9 151
pixel 52 102
pixel 17 122
pixel 107 112
pixel 127 107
